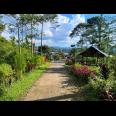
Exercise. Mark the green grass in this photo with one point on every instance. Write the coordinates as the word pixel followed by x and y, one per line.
pixel 20 87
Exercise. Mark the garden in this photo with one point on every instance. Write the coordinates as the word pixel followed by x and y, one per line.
pixel 98 83
pixel 94 64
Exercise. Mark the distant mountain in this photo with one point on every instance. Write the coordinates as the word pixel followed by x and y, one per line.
pixel 63 49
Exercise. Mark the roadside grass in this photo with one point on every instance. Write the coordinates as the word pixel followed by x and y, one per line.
pixel 20 87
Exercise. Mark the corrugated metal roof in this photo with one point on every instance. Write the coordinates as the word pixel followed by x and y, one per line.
pixel 100 51
pixel 92 52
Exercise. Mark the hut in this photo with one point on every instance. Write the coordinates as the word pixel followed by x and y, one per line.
pixel 93 52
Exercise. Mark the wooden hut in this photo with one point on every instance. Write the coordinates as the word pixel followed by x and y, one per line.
pixel 93 52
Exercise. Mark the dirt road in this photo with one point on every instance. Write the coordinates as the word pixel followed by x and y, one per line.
pixel 54 85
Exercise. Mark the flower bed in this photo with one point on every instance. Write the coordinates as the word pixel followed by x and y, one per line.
pixel 82 72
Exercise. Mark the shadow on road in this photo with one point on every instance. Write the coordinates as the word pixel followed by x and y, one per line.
pixel 67 97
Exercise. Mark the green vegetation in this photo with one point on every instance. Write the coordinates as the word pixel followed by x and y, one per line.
pixel 19 62
pixel 6 73
pixel 93 83
pixel 96 31
pixel 20 87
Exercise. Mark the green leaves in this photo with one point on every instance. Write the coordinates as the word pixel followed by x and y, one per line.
pixel 20 64
pixel 6 73
pixel 97 31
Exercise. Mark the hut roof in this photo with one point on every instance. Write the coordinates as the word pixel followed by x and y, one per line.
pixel 93 52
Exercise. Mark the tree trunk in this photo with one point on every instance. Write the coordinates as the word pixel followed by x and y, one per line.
pixel 19 42
pixel 31 41
pixel 22 31
pixel 41 36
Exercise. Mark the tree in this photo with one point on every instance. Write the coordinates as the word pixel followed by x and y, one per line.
pixel 94 32
pixel 45 49
pixel 5 48
pixel 2 25
pixel 45 18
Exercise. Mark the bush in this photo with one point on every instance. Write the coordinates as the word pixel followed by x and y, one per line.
pixel 41 60
pixel 82 72
pixel 10 59
pixel 95 69
pixel 104 71
pixel 6 73
pixel 104 89
pixel 114 65
pixel 70 61
pixel 20 65
pixel 2 90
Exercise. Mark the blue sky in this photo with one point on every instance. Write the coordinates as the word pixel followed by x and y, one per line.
pixel 60 36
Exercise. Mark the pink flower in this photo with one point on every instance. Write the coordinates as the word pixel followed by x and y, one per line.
pixel 82 71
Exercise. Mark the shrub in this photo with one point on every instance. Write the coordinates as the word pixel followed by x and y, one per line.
pixel 41 60
pixel 104 71
pixel 104 89
pixel 6 73
pixel 97 84
pixel 95 69
pixel 2 90
pixel 70 61
pixel 82 72
pixel 114 65
pixel 10 59
pixel 20 64
pixel 34 62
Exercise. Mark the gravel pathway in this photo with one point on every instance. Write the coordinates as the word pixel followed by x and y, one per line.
pixel 54 85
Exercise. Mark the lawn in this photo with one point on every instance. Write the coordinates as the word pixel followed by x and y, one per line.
pixel 20 87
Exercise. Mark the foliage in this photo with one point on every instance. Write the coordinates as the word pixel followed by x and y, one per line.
pixel 104 89
pixel 113 65
pixel 97 31
pixel 20 64
pixel 70 61
pixel 10 59
pixel 6 74
pixel 41 60
pixel 95 68
pixel 82 72
pixel 2 90
pixel 57 57
pixel 104 70
pixel 20 87
pixel 5 48
pixel 45 49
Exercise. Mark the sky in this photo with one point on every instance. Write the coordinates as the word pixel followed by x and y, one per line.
pixel 60 36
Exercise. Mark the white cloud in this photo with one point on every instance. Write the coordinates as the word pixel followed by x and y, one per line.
pixel 49 32
pixel 78 18
pixel 60 35
pixel 45 42
pixel 47 29
pixel 6 35
pixel 68 41
pixel 62 19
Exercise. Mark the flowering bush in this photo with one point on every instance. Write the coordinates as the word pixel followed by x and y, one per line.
pixel 82 72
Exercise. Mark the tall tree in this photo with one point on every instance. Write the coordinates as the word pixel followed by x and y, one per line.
pixel 95 32
pixel 45 18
